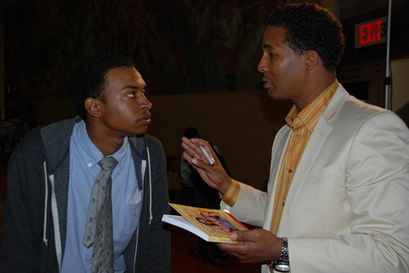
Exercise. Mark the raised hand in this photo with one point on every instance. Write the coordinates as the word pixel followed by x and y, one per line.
pixel 214 175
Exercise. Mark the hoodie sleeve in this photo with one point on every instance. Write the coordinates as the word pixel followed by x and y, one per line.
pixel 25 236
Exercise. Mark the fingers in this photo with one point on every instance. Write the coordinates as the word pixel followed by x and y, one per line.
pixel 255 245
pixel 238 249
pixel 210 170
pixel 199 152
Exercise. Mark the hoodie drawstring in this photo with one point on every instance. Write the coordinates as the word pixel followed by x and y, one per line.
pixel 150 185
pixel 45 239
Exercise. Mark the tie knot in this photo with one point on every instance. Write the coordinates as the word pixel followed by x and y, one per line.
pixel 108 163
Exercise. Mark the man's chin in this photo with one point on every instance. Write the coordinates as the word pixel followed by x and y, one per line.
pixel 272 94
pixel 139 132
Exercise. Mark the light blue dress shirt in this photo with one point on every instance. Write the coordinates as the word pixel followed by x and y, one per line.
pixel 126 200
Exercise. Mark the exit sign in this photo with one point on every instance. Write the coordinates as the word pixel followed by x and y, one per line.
pixel 371 32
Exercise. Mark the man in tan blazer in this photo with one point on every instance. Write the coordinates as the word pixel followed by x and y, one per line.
pixel 338 192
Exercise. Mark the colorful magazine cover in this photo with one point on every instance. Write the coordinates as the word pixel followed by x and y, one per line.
pixel 210 224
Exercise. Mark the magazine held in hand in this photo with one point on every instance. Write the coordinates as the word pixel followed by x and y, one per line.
pixel 211 225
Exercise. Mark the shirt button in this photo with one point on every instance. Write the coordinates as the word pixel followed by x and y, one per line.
pixel 290 170
pixel 89 165
pixel 283 203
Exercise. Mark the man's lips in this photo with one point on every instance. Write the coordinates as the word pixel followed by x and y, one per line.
pixel 146 119
pixel 267 82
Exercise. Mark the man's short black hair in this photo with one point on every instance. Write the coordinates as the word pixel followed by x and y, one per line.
pixel 89 79
pixel 311 27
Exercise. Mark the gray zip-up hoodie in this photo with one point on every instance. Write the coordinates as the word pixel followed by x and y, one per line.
pixel 35 214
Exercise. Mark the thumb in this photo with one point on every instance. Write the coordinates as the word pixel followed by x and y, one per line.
pixel 239 236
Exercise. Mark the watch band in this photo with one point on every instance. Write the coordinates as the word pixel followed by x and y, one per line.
pixel 283 265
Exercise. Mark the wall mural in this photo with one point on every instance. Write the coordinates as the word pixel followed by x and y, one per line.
pixel 179 46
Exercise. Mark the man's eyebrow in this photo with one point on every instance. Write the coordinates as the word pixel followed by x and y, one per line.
pixel 267 46
pixel 133 87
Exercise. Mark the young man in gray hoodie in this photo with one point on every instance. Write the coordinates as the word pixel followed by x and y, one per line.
pixel 51 175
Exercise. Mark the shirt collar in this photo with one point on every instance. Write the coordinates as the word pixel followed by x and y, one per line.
pixel 89 152
pixel 310 115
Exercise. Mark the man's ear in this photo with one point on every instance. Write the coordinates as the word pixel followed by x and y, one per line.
pixel 93 107
pixel 311 58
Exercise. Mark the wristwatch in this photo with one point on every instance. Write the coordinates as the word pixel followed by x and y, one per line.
pixel 283 265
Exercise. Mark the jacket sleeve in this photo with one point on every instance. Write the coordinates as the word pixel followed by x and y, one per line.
pixel 24 241
pixel 250 207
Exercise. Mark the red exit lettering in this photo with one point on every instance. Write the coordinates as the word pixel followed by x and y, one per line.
pixel 372 32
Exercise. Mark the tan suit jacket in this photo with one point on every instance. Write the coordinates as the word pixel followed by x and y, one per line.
pixel 347 209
